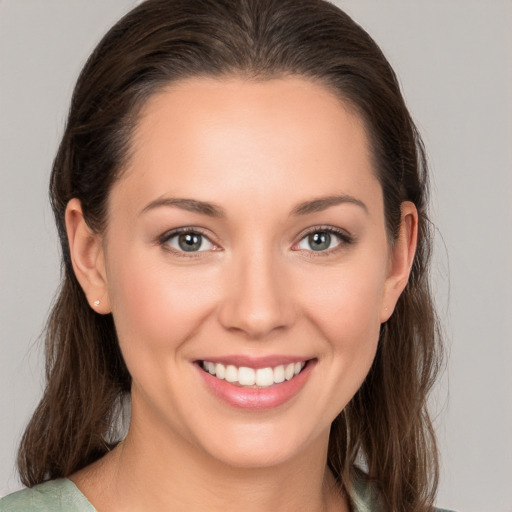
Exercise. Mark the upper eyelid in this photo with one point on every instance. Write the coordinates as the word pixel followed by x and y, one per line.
pixel 187 229
pixel 331 229
pixel 342 233
pixel 164 239
pixel 345 240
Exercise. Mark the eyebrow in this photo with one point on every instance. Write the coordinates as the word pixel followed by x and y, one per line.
pixel 213 210
pixel 323 203
pixel 190 205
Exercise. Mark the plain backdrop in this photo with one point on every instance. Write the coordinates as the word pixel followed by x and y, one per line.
pixel 453 58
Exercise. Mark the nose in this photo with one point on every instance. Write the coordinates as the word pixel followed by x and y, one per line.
pixel 258 298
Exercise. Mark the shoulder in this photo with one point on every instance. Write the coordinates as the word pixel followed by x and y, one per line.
pixel 365 497
pixel 54 496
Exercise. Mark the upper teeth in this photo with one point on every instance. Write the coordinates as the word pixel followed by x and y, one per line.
pixel 249 376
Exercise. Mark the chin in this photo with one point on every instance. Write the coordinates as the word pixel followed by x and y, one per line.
pixel 261 446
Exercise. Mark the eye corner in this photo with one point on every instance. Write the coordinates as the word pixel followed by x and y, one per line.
pixel 330 234
pixel 196 240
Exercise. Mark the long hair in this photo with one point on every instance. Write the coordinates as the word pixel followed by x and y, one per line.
pixel 385 430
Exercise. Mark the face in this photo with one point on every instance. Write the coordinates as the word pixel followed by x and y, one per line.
pixel 247 266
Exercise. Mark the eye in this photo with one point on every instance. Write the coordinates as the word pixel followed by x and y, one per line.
pixel 187 241
pixel 323 240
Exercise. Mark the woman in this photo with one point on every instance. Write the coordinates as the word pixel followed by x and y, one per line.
pixel 241 199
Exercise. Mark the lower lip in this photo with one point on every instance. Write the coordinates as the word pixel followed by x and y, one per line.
pixel 257 398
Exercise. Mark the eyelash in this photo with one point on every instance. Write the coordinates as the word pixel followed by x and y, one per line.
pixel 164 239
pixel 344 238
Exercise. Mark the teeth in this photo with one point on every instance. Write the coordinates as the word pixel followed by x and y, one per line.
pixel 261 377
pixel 279 374
pixel 246 376
pixel 264 377
pixel 220 371
pixel 231 374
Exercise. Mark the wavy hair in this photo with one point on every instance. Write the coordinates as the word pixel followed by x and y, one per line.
pixel 385 430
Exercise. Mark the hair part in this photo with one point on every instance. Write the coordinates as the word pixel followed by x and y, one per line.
pixel 386 424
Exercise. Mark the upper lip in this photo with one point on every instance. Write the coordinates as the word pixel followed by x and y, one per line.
pixel 256 362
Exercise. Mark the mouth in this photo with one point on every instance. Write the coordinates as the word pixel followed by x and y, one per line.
pixel 245 376
pixel 257 385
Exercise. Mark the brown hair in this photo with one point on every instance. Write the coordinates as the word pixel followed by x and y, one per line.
pixel 385 429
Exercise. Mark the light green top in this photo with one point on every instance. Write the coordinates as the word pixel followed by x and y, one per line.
pixel 64 496
pixel 54 496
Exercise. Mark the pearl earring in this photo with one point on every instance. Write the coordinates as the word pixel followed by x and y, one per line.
pixel 96 303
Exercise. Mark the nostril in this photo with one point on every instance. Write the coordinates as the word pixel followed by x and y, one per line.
pixel 255 321
pixel 257 300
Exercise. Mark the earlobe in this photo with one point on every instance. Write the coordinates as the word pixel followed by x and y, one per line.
pixel 87 257
pixel 401 259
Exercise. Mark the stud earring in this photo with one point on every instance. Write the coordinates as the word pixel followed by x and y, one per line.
pixel 96 303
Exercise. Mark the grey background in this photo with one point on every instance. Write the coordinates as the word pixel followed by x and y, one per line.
pixel 453 58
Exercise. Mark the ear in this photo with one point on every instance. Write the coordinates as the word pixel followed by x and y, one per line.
pixel 87 257
pixel 401 259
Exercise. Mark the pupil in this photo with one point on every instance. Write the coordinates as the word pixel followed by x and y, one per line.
pixel 190 242
pixel 320 241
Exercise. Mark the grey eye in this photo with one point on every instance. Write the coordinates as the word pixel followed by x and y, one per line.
pixel 190 242
pixel 320 240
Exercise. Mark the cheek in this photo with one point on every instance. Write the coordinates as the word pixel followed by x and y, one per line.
pixel 341 307
pixel 346 304
pixel 157 305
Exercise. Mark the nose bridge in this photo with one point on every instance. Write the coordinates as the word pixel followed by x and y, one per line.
pixel 256 300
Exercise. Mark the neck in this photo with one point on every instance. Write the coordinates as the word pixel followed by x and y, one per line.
pixel 179 478
pixel 154 469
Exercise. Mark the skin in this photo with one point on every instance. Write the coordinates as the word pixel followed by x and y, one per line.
pixel 256 150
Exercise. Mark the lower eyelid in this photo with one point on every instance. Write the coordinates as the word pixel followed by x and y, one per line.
pixel 343 238
pixel 204 240
pixel 164 240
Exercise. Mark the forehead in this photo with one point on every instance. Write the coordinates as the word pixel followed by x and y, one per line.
pixel 290 135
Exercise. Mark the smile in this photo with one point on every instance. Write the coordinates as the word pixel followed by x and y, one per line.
pixel 255 384
pixel 253 377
